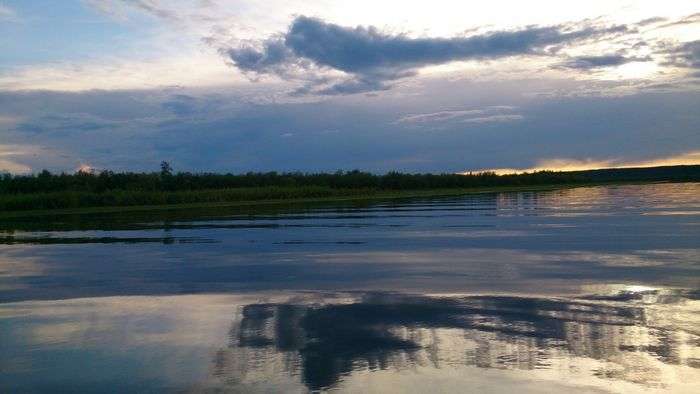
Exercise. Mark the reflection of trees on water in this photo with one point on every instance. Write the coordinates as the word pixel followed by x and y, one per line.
pixel 326 341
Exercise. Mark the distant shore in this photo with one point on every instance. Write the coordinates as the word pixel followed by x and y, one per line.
pixel 46 193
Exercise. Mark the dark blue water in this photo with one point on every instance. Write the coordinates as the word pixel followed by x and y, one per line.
pixel 591 289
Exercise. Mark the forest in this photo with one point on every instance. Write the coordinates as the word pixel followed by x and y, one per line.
pixel 46 190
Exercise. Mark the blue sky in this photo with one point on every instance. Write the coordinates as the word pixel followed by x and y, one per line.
pixel 439 86
pixel 43 32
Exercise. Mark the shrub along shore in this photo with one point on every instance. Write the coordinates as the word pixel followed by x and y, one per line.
pixel 47 191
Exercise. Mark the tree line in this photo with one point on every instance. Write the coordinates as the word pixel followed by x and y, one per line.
pixel 166 180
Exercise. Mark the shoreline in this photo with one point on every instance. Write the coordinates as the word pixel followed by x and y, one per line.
pixel 380 195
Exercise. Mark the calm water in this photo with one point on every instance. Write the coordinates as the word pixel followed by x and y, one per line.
pixel 590 289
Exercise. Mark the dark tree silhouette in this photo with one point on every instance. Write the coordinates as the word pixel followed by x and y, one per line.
pixel 165 169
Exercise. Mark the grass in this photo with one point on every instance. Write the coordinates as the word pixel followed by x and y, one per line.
pixel 12 206
pixel 125 198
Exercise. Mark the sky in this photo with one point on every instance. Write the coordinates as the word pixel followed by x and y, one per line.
pixel 300 85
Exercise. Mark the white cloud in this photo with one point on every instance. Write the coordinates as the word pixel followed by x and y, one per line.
pixel 438 116
pixel 492 114
pixel 494 118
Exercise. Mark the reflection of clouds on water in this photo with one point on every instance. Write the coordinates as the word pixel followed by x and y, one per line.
pixel 13 270
pixel 55 272
pixel 686 258
pixel 626 336
pixel 635 258
pixel 327 343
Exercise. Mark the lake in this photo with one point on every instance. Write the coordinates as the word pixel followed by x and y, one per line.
pixel 590 289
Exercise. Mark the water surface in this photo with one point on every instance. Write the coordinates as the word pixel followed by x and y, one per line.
pixel 594 289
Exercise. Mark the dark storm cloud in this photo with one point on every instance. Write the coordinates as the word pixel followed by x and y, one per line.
pixel 364 50
pixel 595 62
pixel 372 58
pixel 354 85
pixel 273 57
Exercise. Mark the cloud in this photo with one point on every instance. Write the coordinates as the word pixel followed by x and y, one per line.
pixel 9 166
pixel 273 57
pixel 493 114
pixel 684 55
pixel 117 8
pixel 153 7
pixel 7 13
pixel 112 74
pixel 494 119
pixel 651 21
pixel 438 116
pixel 60 123
pixel 181 105
pixel 658 22
pixel 596 62
pixel 137 129
pixel 371 59
pixel 7 121
pixel 688 20
pixel 12 158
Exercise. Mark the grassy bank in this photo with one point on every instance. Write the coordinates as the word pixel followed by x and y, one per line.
pixel 254 198
pixel 128 198
pixel 288 199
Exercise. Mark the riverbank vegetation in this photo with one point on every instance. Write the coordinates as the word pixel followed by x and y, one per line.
pixel 106 189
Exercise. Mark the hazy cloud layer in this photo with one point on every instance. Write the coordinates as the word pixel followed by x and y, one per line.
pixel 135 130
pixel 494 118
pixel 9 155
pixel 596 62
pixel 371 59
pixel 493 114
pixel 117 8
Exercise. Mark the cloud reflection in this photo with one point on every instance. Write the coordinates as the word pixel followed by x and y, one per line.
pixel 636 338
pixel 389 331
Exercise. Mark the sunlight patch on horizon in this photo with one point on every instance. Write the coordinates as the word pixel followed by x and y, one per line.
pixel 562 164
